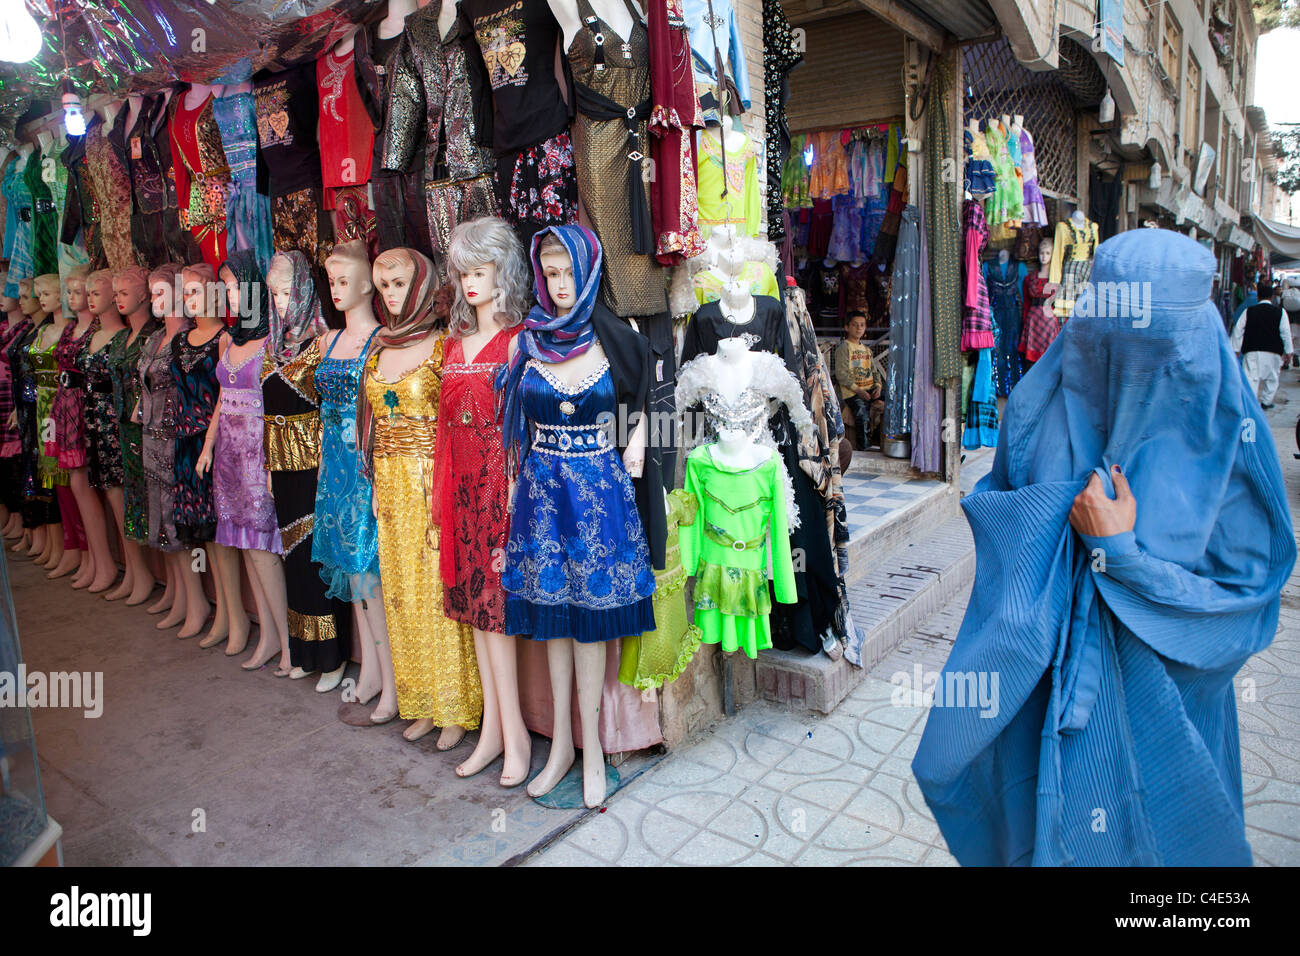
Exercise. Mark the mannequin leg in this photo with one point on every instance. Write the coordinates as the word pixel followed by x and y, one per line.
pixel 61 559
pixel 589 663
pixel 559 660
pixel 371 680
pixel 169 600
pixel 92 518
pixel 190 594
pixel 377 627
pixel 225 561
pixel 259 600
pixel 267 572
pixel 115 507
pixel 503 727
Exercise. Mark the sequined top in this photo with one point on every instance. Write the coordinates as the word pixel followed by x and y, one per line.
pixel 200 164
pixel 292 437
pixel 157 386
pixel 430 103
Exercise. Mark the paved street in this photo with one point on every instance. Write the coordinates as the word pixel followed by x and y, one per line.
pixel 770 787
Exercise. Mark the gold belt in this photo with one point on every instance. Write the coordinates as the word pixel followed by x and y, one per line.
pixel 403 436
pixel 292 442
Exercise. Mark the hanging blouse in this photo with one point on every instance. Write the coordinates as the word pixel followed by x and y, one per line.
pixel 347 137
pixel 981 179
pixel 740 206
pixel 202 176
pixel 1006 206
pixel 830 168
pixel 674 117
pixel 760 279
pixel 795 176
pixel 977 323
pixel 1035 210
pixel 714 32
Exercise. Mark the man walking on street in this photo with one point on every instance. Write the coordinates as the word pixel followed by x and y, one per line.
pixel 1262 337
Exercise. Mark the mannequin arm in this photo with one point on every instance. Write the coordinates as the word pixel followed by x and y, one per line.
pixel 634 454
pixel 204 463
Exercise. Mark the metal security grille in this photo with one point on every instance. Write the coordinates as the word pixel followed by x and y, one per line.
pixel 996 83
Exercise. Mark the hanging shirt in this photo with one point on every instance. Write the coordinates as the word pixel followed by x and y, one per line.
pixel 287 114
pixel 740 206
pixel 721 35
pixel 346 136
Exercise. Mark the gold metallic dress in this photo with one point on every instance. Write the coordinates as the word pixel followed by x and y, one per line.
pixel 433 656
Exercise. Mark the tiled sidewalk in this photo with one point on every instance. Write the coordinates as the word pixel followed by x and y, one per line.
pixel 871 499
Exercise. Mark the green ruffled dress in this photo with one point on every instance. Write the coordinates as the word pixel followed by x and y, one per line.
pixel 741 528
pixel 658 657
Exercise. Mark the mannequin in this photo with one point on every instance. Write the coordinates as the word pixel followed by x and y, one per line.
pixel 103 435
pixel 730 259
pixel 348 554
pixel 344 46
pixel 131 297
pixel 109 109
pixel 318 639
pixel 47 544
pixel 157 416
pixel 1080 236
pixel 69 417
pixel 394 20
pixel 432 654
pixel 974 127
pixel 614 13
pixel 605 595
pixel 1041 324
pixel 737 303
pixel 13 326
pixel 488 267
pixel 245 509
pixel 193 368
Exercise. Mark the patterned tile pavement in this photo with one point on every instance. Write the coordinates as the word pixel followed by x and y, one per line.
pixel 770 787
pixel 871 500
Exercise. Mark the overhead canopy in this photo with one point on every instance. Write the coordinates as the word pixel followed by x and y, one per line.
pixel 1282 240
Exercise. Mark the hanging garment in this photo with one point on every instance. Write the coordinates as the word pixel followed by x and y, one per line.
pixel 320 629
pixel 728 196
pixel 106 159
pixel 821 223
pixel 288 114
pixel 866 168
pixel 1005 284
pixel 1035 210
pixel 846 229
pixel 13 168
pixel 902 325
pixel 982 407
pixel 715 38
pixel 202 176
pixel 829 174
pixel 21 253
pixel 855 285
pixel 613 95
pixel 1117 681
pixel 345 541
pixel 981 179
pixel 927 398
pixel 1073 273
pixel 194 371
pixel 976 323
pixel 796 179
pixel 674 118
pixel 159 407
pixel 248 212
pixel 1005 208
pixel 430 128
pixel 346 137
pixel 80 207
pixel 942 200
pixel 757 275
pixel 45 219
pixel 658 657
pixel 1041 324
pixel 156 233
pixel 433 655
pixel 125 359
pixel 781 54
pixel 474 507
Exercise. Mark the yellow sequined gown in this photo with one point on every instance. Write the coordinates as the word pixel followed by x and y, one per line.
pixel 433 657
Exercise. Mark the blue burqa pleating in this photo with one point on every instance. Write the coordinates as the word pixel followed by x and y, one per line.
pixel 1115 736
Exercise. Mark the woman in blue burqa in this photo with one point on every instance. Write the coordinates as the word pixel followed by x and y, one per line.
pixel 1132 541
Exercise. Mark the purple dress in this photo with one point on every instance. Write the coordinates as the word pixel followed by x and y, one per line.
pixel 245 509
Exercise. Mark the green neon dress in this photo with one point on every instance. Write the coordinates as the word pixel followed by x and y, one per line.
pixel 740 529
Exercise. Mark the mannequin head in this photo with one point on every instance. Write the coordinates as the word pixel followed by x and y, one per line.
pixel 407 283
pixel 76 287
pixel 46 290
pixel 487 266
pixel 392 274
pixel 1045 252
pixel 198 285
pixel 279 282
pixel 9 304
pixel 99 293
pixel 557 271
pixel 27 300
pixel 131 290
pixel 248 306
pixel 349 275
pixel 163 297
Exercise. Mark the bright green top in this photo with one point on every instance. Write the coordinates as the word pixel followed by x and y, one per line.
pixel 741 528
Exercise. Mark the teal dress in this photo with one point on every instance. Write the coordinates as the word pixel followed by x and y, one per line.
pixel 345 540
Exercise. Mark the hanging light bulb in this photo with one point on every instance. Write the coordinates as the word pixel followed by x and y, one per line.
pixel 74 120
pixel 20 36
pixel 1106 112
pixel 1156 170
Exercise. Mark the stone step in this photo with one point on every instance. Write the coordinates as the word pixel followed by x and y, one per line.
pixel 904 584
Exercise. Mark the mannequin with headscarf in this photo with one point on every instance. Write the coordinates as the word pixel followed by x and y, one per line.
pixel 319 629
pixel 127 499
pixel 183 597
pixel 490 275
pixel 436 672
pixel 577 375
pixel 345 539
pixel 246 519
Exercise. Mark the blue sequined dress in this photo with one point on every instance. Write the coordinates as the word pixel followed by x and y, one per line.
pixel 577 564
pixel 345 537
pixel 248 212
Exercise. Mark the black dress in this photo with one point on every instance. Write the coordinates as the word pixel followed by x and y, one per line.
pixel 320 628
pixel 194 369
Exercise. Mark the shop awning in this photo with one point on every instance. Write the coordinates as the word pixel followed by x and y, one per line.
pixel 964 19
pixel 1277 238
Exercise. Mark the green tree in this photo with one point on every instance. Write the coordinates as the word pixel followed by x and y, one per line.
pixel 1271 14
pixel 1286 143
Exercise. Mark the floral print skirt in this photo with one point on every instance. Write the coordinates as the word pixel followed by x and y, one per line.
pixel 537 186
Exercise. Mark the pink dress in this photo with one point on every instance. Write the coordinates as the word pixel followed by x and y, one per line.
pixel 68 412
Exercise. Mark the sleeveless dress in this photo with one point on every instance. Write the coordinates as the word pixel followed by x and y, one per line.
pixel 45 374
pixel 433 656
pixel 158 408
pixel 475 517
pixel 577 564
pixel 248 212
pixel 68 411
pixel 38 504
pixel 346 539
pixel 320 635
pixel 194 370
pixel 245 508
pixel 126 398
pixel 103 439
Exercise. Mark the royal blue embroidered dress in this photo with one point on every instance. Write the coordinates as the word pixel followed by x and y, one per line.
pixel 577 564
pixel 345 539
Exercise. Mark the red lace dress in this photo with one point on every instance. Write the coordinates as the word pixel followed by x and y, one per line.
pixel 475 519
